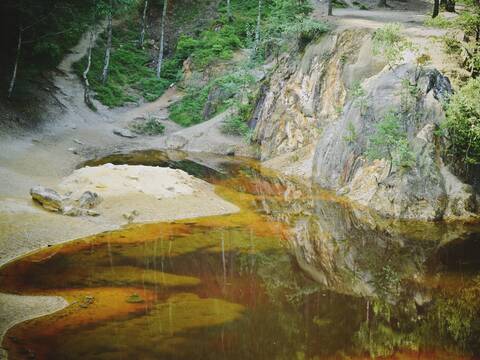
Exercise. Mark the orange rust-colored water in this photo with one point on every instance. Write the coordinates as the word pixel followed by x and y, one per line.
pixel 295 274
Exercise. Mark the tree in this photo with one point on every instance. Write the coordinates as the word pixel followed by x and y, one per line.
pixel 462 122
pixel 229 11
pixel 15 66
pixel 258 27
pixel 330 8
pixel 382 3
pixel 448 5
pixel 144 23
pixel 436 8
pixel 108 48
pixel 162 38
pixel 390 142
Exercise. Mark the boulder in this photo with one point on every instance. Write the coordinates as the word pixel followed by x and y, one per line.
pixel 48 198
pixel 89 200
pixel 53 201
pixel 124 133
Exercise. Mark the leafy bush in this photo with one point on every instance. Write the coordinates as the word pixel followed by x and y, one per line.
pixel 359 97
pixel 149 127
pixel 235 125
pixel 307 30
pixel 390 142
pixel 190 110
pixel 462 124
pixel 389 43
pixel 438 22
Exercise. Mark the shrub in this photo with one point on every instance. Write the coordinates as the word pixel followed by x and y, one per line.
pixel 235 125
pixel 389 43
pixel 190 110
pixel 390 142
pixel 438 22
pixel 151 126
pixel 462 124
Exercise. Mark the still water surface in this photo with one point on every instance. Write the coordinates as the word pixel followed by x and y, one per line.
pixel 296 274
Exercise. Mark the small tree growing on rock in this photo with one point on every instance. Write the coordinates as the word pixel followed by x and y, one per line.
pixel 390 142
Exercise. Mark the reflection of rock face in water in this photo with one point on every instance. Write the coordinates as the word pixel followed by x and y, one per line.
pixel 350 255
pixel 353 251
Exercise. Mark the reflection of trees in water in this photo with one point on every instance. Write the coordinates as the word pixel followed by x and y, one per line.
pixel 390 271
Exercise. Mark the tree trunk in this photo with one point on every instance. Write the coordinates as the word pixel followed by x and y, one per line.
pixel 330 8
pixel 382 3
pixel 86 93
pixel 229 11
pixel 436 8
pixel 108 49
pixel 258 27
pixel 144 23
pixel 15 66
pixel 450 5
pixel 162 38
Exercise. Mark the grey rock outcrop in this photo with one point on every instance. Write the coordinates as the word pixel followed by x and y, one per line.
pixel 51 200
pixel 424 191
pixel 48 198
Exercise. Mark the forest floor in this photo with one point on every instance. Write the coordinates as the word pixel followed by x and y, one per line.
pixel 45 156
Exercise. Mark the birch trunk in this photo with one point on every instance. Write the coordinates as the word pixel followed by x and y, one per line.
pixel 86 94
pixel 257 29
pixel 144 23
pixel 108 49
pixel 162 40
pixel 229 11
pixel 15 66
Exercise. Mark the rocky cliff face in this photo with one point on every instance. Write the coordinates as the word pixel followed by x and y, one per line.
pixel 307 91
pixel 425 189
pixel 307 102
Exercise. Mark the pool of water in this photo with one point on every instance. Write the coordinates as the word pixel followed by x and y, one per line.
pixel 296 274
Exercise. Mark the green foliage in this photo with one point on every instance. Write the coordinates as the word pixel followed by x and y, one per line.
pixel 352 135
pixel 409 95
pixel 390 44
pixel 452 46
pixel 359 96
pixel 337 4
pixel 151 126
pixel 462 124
pixel 306 30
pixel 469 21
pixel 390 142
pixel 130 76
pixel 216 43
pixel 237 124
pixel 440 22
pixel 190 110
